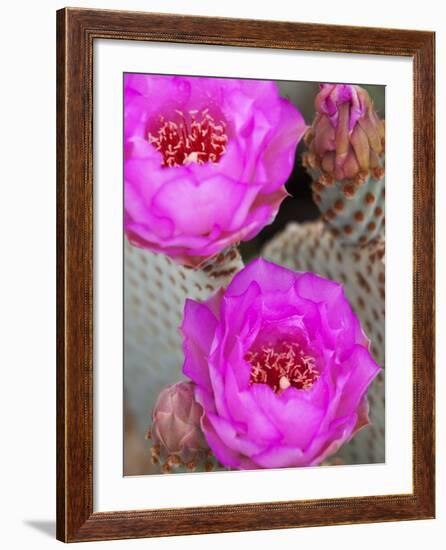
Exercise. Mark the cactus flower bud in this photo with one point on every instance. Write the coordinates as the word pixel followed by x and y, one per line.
pixel 177 439
pixel 347 136
pixel 345 158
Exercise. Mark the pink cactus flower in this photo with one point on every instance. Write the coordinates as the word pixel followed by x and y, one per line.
pixel 281 368
pixel 206 160
pixel 175 432
pixel 347 136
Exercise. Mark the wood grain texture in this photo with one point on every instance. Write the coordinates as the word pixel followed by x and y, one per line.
pixel 76 31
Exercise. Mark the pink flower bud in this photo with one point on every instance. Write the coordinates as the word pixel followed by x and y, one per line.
pixel 176 433
pixel 347 136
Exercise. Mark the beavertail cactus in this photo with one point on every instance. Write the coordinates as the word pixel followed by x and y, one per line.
pixel 155 289
pixel 345 158
pixel 177 439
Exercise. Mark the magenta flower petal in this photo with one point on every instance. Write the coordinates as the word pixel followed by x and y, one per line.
pixel 279 456
pixel 239 315
pixel 362 370
pixel 243 408
pixel 286 412
pixel 287 364
pixel 204 197
pixel 280 153
pixel 198 330
pixel 329 442
pixel 225 454
pixel 270 278
pixel 228 433
pixel 222 148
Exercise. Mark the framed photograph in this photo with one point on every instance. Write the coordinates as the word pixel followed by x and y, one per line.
pixel 245 275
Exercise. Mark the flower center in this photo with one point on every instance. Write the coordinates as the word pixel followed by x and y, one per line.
pixel 197 138
pixel 282 365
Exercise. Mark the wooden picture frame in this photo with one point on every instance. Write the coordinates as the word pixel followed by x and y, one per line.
pixel 77 29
